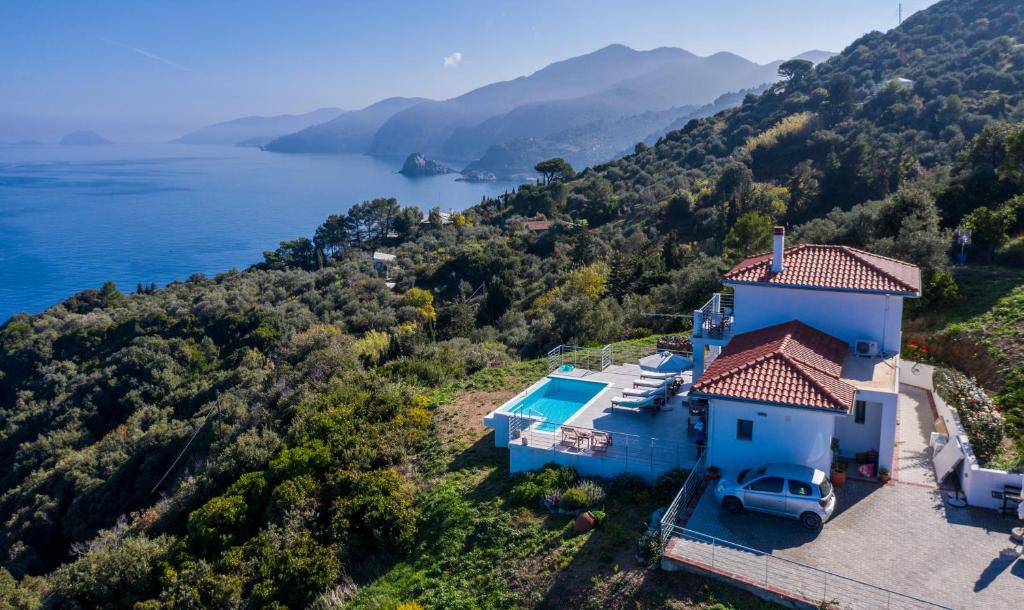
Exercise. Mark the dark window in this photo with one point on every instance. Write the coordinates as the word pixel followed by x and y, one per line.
pixel 858 411
pixel 799 488
pixel 744 429
pixel 770 484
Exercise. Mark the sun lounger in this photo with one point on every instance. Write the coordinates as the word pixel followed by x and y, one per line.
pixel 643 392
pixel 651 383
pixel 638 404
pixel 657 375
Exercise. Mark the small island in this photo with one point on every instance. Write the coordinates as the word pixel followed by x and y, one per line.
pixel 416 165
pixel 84 138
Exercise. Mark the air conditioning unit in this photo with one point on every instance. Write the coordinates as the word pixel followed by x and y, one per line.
pixel 865 348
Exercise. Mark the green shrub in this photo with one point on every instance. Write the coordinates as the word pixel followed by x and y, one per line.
pixel 978 414
pixel 626 483
pixel 219 524
pixel 526 493
pixel 594 493
pixel 599 516
pixel 668 484
pixel 573 498
pixel 1012 254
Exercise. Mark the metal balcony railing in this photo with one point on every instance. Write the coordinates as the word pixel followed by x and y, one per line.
pixel 714 320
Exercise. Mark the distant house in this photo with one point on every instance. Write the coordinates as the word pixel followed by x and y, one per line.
pixel 384 263
pixel 898 81
pixel 446 218
pixel 538 226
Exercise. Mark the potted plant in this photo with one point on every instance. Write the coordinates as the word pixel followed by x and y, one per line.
pixel 838 476
pixel 883 475
pixel 714 472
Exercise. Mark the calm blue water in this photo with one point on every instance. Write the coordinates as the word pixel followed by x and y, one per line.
pixel 74 217
pixel 558 400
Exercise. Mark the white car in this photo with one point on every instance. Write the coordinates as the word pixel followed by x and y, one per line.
pixel 788 490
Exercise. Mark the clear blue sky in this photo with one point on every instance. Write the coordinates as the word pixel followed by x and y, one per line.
pixel 138 70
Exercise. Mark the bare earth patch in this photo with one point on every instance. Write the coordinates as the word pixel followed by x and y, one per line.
pixel 462 421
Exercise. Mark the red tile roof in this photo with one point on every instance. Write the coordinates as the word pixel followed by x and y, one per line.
pixel 790 364
pixel 830 267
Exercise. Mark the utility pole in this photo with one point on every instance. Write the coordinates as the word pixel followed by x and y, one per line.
pixel 900 14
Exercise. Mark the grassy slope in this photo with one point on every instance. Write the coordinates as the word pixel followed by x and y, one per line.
pixel 477 551
pixel 983 335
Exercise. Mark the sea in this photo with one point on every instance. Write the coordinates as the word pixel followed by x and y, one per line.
pixel 72 218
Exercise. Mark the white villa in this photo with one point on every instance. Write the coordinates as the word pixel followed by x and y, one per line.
pixel 804 350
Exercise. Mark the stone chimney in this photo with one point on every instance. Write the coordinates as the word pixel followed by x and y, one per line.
pixel 778 245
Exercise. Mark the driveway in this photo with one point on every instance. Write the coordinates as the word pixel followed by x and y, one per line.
pixel 902 536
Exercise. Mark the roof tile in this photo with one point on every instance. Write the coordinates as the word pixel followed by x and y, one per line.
pixel 790 364
pixel 837 267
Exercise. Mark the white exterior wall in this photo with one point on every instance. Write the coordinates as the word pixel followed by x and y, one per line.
pixel 846 315
pixel 782 434
pixel 525 458
pixel 878 431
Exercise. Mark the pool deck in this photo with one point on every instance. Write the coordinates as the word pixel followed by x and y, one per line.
pixel 645 443
pixel 669 423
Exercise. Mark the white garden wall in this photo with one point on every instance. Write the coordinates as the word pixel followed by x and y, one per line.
pixel 980 485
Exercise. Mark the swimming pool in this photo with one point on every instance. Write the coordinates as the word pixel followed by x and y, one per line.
pixel 556 400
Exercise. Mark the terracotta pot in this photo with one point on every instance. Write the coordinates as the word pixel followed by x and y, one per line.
pixel 526 441
pixel 838 478
pixel 584 522
pixel 883 478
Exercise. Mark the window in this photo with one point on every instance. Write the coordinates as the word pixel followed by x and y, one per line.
pixel 799 488
pixel 744 429
pixel 769 484
pixel 859 409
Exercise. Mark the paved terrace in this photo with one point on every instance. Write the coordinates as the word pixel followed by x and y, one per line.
pixel 901 536
pixel 660 440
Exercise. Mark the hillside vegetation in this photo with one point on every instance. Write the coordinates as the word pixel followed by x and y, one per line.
pixel 299 435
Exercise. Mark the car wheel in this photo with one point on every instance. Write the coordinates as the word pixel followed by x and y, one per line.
pixel 732 505
pixel 811 521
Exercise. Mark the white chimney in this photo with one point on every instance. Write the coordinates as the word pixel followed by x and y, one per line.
pixel 778 245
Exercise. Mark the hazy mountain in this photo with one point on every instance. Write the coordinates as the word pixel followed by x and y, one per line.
pixel 350 132
pixel 250 129
pixel 610 84
pixel 427 126
pixel 84 137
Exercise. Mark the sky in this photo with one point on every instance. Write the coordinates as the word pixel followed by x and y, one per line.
pixel 149 71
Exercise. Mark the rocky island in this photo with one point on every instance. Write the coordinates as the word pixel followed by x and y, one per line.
pixel 416 165
pixel 84 138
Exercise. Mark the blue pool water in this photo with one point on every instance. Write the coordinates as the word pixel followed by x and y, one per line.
pixel 558 399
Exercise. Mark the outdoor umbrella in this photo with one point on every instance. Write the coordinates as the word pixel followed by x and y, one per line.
pixel 665 362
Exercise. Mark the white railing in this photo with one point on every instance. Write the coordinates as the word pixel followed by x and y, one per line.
pixel 682 499
pixel 714 319
pixel 656 454
pixel 819 587
pixel 579 357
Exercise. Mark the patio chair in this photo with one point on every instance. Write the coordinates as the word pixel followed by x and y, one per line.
pixel 600 441
pixel 570 436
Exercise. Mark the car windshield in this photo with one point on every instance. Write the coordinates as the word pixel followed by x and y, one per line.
pixel 825 487
pixel 750 475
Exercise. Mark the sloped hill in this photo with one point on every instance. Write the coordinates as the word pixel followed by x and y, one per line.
pixel 350 132
pixel 429 126
pixel 253 129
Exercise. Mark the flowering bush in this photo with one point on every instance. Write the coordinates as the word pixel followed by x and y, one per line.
pixel 979 415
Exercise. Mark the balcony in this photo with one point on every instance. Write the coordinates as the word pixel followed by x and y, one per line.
pixel 713 323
